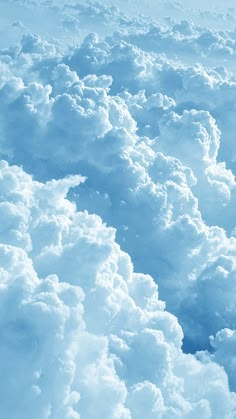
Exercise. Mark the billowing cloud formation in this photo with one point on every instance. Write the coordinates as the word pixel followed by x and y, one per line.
pixel 143 158
pixel 153 137
pixel 82 335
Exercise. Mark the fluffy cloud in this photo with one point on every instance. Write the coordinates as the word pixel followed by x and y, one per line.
pixel 125 144
pixel 224 352
pixel 82 334
pixel 154 140
pixel 197 147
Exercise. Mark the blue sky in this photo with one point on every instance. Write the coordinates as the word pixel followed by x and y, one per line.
pixel 117 209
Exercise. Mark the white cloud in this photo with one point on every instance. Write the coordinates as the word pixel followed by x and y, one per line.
pixel 153 137
pixel 224 352
pixel 82 335
pixel 69 124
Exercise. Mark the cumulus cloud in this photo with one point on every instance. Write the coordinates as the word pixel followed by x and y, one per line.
pixel 72 121
pixel 82 334
pixel 153 138
pixel 224 352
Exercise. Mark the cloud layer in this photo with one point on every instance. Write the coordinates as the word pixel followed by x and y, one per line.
pixel 82 334
pixel 129 148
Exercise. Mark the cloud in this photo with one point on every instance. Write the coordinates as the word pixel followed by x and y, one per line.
pixel 197 147
pixel 185 40
pixel 150 132
pixel 82 334
pixel 224 352
pixel 125 145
